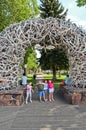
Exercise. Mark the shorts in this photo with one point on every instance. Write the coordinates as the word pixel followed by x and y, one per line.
pixel 51 90
pixel 46 91
pixel 41 93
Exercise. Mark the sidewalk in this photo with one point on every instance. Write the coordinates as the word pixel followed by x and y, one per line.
pixel 43 116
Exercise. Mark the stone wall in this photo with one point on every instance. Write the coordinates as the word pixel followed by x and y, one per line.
pixel 11 98
pixel 17 37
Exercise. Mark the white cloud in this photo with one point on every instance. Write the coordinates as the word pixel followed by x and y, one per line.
pixel 82 22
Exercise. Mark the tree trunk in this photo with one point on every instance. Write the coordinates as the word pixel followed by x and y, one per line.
pixel 54 73
pixel 59 74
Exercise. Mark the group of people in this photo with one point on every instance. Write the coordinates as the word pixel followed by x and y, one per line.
pixel 45 90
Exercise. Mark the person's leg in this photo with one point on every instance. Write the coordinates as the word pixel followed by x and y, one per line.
pixel 49 94
pixel 24 95
pixel 52 97
pixel 46 98
pixel 43 94
pixel 27 97
pixel 30 96
pixel 40 96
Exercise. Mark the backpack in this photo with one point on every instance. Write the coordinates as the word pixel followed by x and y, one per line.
pixel 40 87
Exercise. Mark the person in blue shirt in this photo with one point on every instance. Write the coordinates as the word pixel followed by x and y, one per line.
pixel 67 80
pixel 24 80
pixel 24 84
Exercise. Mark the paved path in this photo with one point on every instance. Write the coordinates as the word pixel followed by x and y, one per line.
pixel 43 116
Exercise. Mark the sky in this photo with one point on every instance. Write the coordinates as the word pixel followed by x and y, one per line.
pixel 75 14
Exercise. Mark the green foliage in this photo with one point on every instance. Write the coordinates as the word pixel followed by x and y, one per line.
pixel 52 8
pixel 28 51
pixel 55 57
pixel 30 59
pixel 81 3
pixel 12 11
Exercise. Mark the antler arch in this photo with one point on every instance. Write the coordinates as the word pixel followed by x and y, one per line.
pixel 17 37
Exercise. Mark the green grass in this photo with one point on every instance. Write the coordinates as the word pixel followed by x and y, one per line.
pixel 49 76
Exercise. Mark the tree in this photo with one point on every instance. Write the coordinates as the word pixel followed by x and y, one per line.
pixel 54 59
pixel 81 3
pixel 12 11
pixel 30 59
pixel 52 8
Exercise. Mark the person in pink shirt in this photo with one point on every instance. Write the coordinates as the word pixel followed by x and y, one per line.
pixel 29 91
pixel 51 90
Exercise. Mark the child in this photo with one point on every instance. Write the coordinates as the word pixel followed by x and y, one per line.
pixel 40 86
pixel 46 90
pixel 24 83
pixel 29 91
pixel 51 90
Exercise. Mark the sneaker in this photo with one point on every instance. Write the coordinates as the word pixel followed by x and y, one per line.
pixel 46 100
pixel 53 100
pixel 30 101
pixel 26 102
pixel 40 100
pixel 50 100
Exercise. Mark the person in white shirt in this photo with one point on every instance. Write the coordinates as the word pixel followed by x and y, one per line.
pixel 46 90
